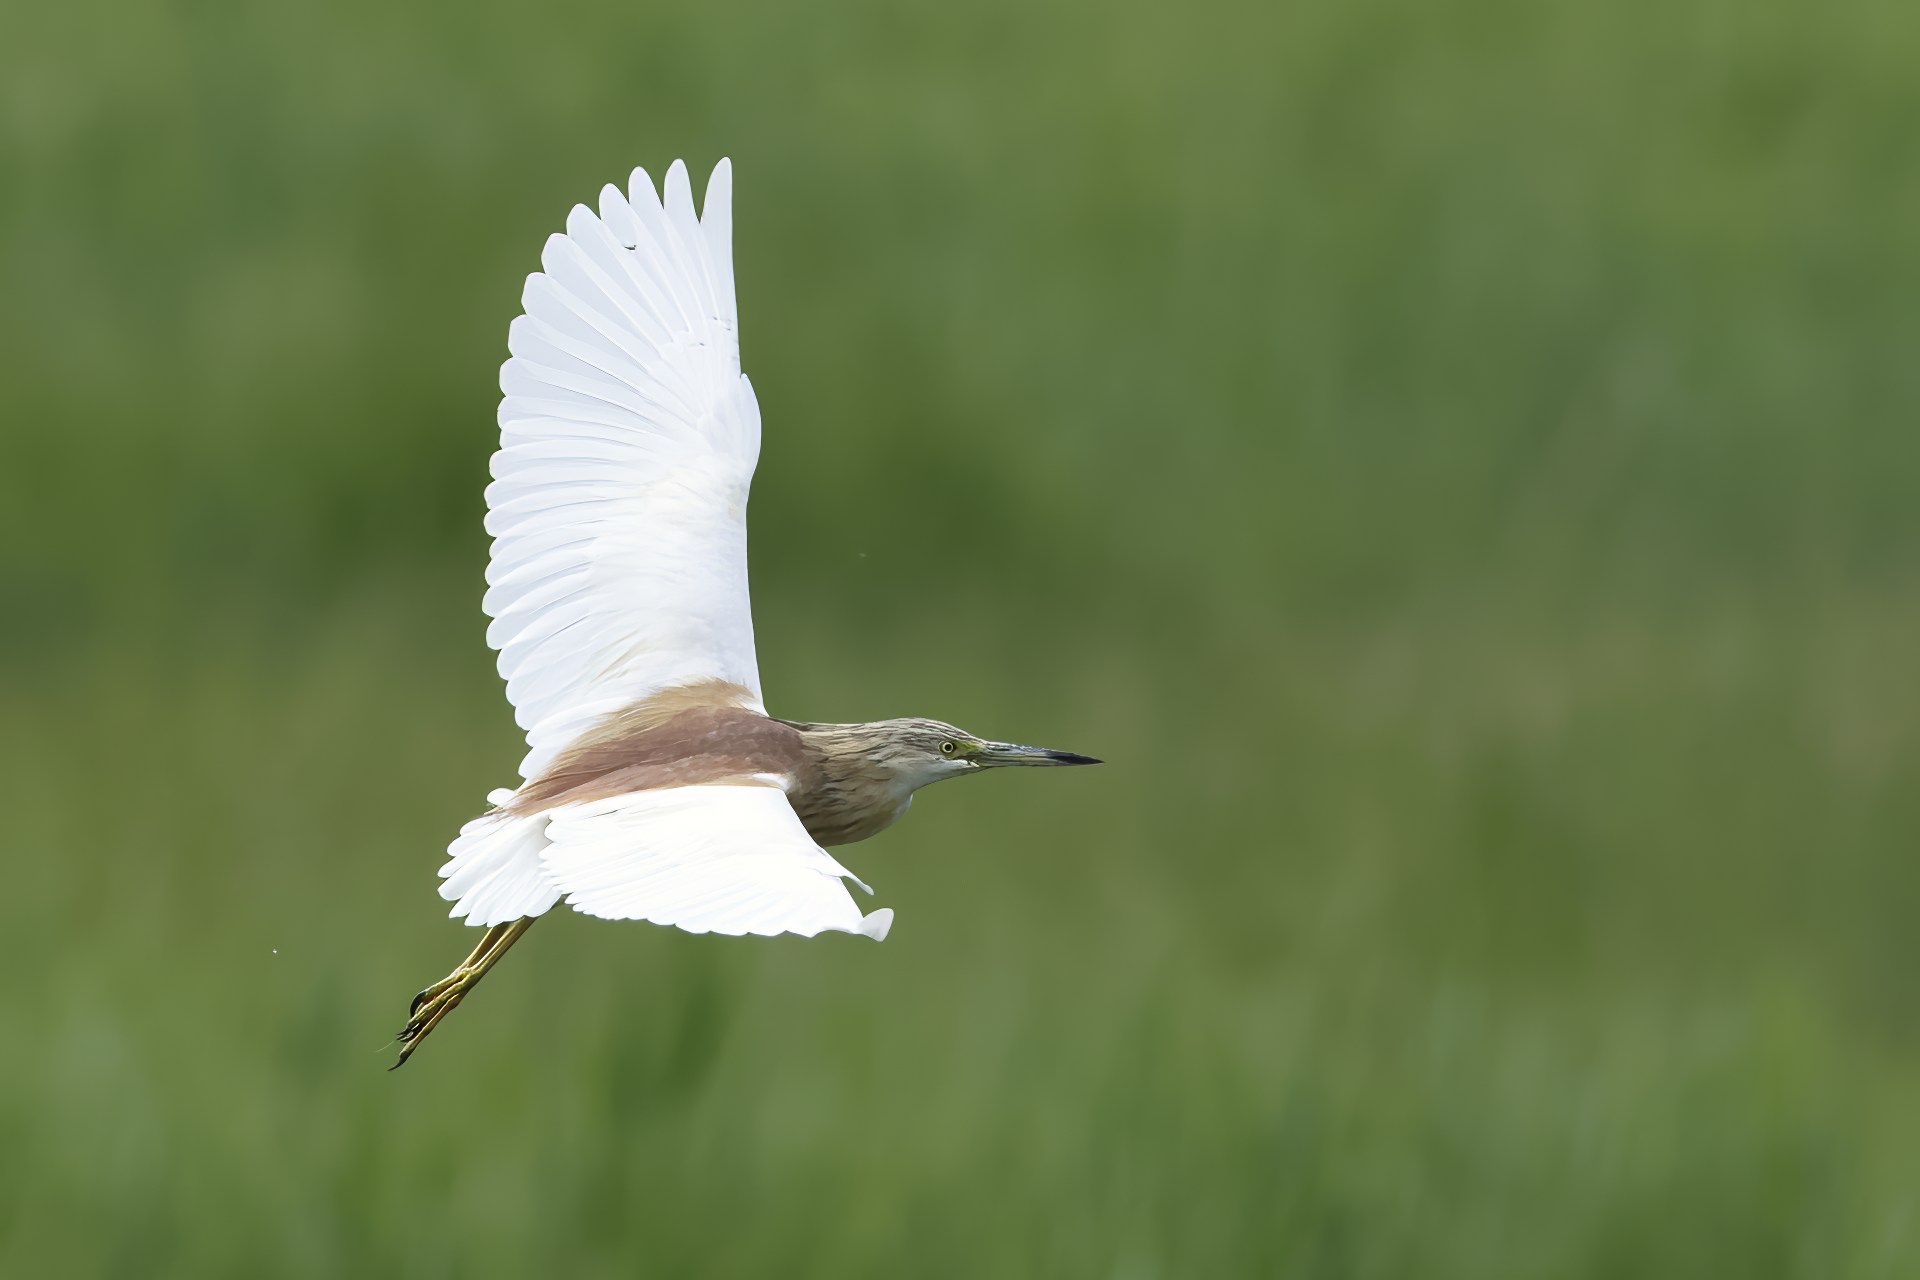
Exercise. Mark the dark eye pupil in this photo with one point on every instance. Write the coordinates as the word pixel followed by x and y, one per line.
pixel 947 747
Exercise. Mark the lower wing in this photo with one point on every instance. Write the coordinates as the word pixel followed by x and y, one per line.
pixel 729 858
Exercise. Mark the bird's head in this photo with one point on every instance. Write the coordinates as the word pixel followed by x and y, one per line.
pixel 923 751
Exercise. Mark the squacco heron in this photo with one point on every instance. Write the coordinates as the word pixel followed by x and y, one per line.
pixel 656 786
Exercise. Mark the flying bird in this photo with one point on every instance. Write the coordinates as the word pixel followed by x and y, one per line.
pixel 655 786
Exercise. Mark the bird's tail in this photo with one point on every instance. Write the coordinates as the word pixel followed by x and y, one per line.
pixel 438 1000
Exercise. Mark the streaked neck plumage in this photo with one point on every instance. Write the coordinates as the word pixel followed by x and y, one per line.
pixel 860 780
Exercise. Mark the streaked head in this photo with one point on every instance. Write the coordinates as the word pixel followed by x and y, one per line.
pixel 923 751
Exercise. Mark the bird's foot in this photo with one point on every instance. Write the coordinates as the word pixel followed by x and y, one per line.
pixel 431 1005
pixel 436 989
pixel 440 999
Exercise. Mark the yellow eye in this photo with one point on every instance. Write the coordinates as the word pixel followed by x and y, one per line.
pixel 948 748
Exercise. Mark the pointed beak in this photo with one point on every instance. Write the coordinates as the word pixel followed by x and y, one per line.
pixel 994 754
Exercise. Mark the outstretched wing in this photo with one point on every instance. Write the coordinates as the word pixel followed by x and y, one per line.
pixel 729 858
pixel 627 444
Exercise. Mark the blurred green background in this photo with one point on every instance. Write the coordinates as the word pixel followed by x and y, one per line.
pixel 1457 462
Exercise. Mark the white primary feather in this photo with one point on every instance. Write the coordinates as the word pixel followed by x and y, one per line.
pixel 710 859
pixel 628 439
pixel 493 872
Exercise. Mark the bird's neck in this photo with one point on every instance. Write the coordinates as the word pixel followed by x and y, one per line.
pixel 847 794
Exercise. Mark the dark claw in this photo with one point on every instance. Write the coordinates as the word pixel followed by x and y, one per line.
pixel 418 1001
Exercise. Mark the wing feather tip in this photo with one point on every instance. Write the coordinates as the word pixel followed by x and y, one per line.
pixel 876 924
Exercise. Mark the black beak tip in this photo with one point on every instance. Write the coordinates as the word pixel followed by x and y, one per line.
pixel 1074 757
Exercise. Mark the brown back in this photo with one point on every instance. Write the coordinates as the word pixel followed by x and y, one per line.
pixel 685 736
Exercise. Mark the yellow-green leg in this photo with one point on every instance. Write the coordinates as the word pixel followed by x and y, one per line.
pixel 440 999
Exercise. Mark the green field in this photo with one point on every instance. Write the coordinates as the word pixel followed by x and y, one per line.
pixel 1458 463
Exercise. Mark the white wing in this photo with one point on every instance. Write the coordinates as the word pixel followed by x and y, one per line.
pixel 493 872
pixel 712 859
pixel 618 510
pixel 627 443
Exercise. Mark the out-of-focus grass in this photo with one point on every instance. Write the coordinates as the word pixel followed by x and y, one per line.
pixel 1456 462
